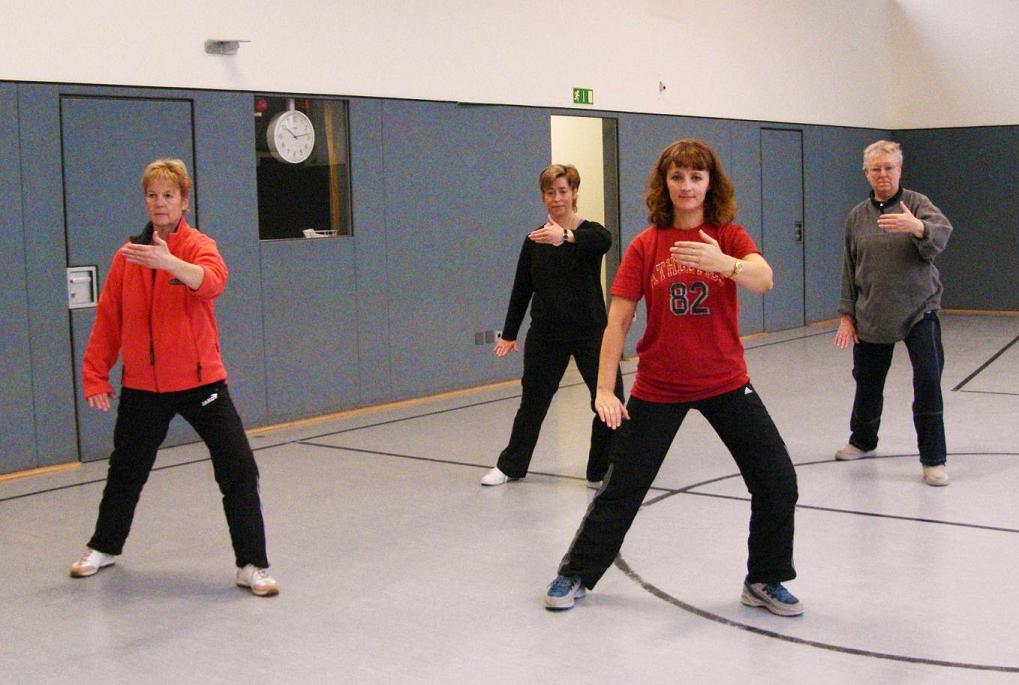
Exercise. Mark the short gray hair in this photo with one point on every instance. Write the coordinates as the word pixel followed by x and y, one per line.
pixel 883 146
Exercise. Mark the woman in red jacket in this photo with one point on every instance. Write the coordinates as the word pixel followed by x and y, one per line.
pixel 156 311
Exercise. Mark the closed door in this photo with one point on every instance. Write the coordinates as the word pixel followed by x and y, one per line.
pixel 782 230
pixel 106 144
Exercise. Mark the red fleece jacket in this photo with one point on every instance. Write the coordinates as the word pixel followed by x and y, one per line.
pixel 165 331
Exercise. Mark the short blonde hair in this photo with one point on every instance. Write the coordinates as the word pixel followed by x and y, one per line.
pixel 172 170
pixel 553 172
pixel 886 147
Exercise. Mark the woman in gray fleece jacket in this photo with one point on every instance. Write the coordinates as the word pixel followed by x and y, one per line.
pixel 891 291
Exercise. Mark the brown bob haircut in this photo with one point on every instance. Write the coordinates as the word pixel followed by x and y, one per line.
pixel 172 170
pixel 720 200
pixel 550 174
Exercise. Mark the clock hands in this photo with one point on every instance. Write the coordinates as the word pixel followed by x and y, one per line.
pixel 294 133
pixel 301 141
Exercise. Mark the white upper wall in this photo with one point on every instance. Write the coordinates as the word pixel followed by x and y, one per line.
pixel 957 63
pixel 874 63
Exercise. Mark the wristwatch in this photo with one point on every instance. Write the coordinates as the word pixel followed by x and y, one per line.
pixel 737 269
pixel 565 235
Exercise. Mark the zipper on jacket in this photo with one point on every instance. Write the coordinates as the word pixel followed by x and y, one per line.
pixel 199 372
pixel 152 342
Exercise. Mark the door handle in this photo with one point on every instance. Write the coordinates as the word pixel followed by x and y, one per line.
pixel 798 234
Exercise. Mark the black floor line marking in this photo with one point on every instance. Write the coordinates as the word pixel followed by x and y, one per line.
pixel 471 405
pixel 991 392
pixel 871 514
pixel 987 363
pixel 414 417
pixel 95 480
pixel 432 413
pixel 437 461
pixel 621 564
pixel 779 342
pixel 691 490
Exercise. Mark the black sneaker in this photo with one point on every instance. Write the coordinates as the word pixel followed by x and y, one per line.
pixel 773 597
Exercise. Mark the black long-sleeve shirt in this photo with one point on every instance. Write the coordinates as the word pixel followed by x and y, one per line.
pixel 562 285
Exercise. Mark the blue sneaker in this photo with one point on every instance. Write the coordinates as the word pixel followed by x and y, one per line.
pixel 563 591
pixel 773 597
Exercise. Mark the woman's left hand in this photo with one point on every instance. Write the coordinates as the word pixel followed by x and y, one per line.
pixel 706 256
pixel 155 256
pixel 902 222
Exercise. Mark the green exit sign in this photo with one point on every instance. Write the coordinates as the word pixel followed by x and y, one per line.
pixel 583 96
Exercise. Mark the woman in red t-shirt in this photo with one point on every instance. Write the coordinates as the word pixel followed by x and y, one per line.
pixel 686 267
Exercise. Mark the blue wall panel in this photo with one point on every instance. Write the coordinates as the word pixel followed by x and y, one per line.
pixel 225 184
pixel 834 184
pixel 367 178
pixel 42 194
pixel 745 172
pixel 310 321
pixel 971 174
pixel 460 184
pixel 17 437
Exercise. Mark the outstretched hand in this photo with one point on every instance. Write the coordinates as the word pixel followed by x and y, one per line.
pixel 706 256
pixel 901 222
pixel 550 234
pixel 155 256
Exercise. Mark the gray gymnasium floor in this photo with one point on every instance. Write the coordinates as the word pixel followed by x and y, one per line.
pixel 395 565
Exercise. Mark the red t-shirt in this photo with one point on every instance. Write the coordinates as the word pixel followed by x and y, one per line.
pixel 691 348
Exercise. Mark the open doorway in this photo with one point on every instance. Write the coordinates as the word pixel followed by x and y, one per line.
pixel 591 145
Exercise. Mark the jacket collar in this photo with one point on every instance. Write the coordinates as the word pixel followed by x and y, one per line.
pixel 145 237
pixel 882 205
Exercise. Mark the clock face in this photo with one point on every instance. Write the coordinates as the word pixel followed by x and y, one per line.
pixel 290 136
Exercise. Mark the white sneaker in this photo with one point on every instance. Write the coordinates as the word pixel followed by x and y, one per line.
pixel 851 452
pixel 90 563
pixel 257 580
pixel 494 477
pixel 935 475
pixel 773 597
pixel 562 592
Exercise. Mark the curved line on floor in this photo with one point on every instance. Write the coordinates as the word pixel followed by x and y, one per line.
pixel 621 564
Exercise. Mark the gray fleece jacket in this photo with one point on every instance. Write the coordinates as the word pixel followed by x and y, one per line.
pixel 889 279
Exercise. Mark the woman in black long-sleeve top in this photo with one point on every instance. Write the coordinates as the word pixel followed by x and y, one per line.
pixel 559 274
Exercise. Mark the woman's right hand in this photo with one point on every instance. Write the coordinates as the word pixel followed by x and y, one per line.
pixel 100 400
pixel 504 347
pixel 846 333
pixel 610 410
